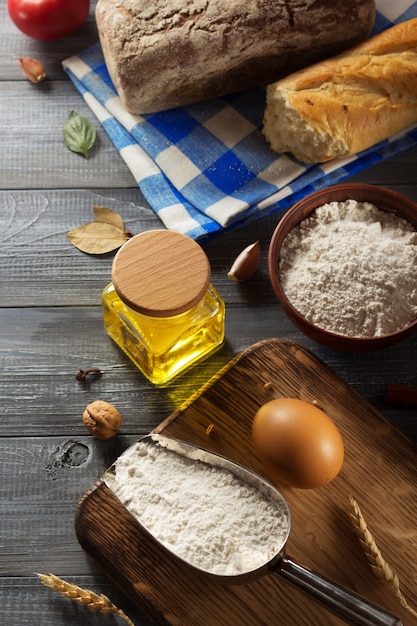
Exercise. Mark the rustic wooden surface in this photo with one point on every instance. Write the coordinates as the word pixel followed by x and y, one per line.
pixel 51 326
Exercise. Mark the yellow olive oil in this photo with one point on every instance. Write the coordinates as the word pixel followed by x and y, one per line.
pixel 163 347
pixel 160 307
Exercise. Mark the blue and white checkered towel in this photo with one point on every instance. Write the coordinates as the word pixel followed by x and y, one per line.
pixel 207 168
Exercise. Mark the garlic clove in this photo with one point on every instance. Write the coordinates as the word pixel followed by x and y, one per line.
pixel 246 264
pixel 32 69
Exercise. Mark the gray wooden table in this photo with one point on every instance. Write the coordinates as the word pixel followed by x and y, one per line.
pixel 51 326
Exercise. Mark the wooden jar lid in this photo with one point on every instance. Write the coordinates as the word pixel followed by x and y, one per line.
pixel 160 273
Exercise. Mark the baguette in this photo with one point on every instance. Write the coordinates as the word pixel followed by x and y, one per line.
pixel 170 53
pixel 341 106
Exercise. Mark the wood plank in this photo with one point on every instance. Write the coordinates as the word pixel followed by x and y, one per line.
pixel 34 243
pixel 37 223
pixel 21 598
pixel 33 238
pixel 379 467
pixel 38 359
pixel 32 151
pixel 42 480
pixel 39 362
pixel 393 172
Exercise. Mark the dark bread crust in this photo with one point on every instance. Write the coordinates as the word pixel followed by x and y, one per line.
pixel 171 53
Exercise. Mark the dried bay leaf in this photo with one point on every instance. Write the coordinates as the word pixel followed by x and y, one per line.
pixel 98 237
pixel 79 134
pixel 106 234
pixel 103 214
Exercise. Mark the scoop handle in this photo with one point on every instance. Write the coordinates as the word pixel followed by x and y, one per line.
pixel 336 598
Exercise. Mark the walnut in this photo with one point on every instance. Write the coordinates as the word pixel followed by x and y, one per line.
pixel 102 419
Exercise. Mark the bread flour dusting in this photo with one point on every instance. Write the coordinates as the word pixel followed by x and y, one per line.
pixel 206 515
pixel 350 268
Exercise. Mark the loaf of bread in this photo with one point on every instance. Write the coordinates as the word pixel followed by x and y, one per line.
pixel 170 53
pixel 346 104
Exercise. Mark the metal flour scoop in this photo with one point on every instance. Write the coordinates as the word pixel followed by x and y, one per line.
pixel 336 598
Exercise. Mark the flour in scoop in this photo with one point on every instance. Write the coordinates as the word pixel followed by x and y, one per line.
pixel 350 268
pixel 206 515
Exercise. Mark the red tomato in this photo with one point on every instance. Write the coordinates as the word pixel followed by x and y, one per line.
pixel 48 19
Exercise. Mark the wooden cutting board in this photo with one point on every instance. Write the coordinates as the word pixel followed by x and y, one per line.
pixel 380 471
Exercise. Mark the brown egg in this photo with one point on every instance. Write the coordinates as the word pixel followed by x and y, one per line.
pixel 297 443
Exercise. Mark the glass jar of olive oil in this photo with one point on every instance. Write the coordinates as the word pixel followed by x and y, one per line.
pixel 160 307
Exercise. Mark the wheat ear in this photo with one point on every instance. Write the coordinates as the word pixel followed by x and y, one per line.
pixel 378 564
pixel 83 596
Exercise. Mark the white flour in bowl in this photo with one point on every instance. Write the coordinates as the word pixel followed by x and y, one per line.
pixel 351 269
pixel 206 515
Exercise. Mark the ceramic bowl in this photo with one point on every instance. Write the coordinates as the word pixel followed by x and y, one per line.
pixel 383 199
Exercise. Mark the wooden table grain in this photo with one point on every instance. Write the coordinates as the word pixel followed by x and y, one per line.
pixel 51 326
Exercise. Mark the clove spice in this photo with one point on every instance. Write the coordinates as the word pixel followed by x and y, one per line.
pixel 82 374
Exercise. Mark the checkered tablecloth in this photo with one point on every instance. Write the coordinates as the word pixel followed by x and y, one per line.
pixel 207 168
